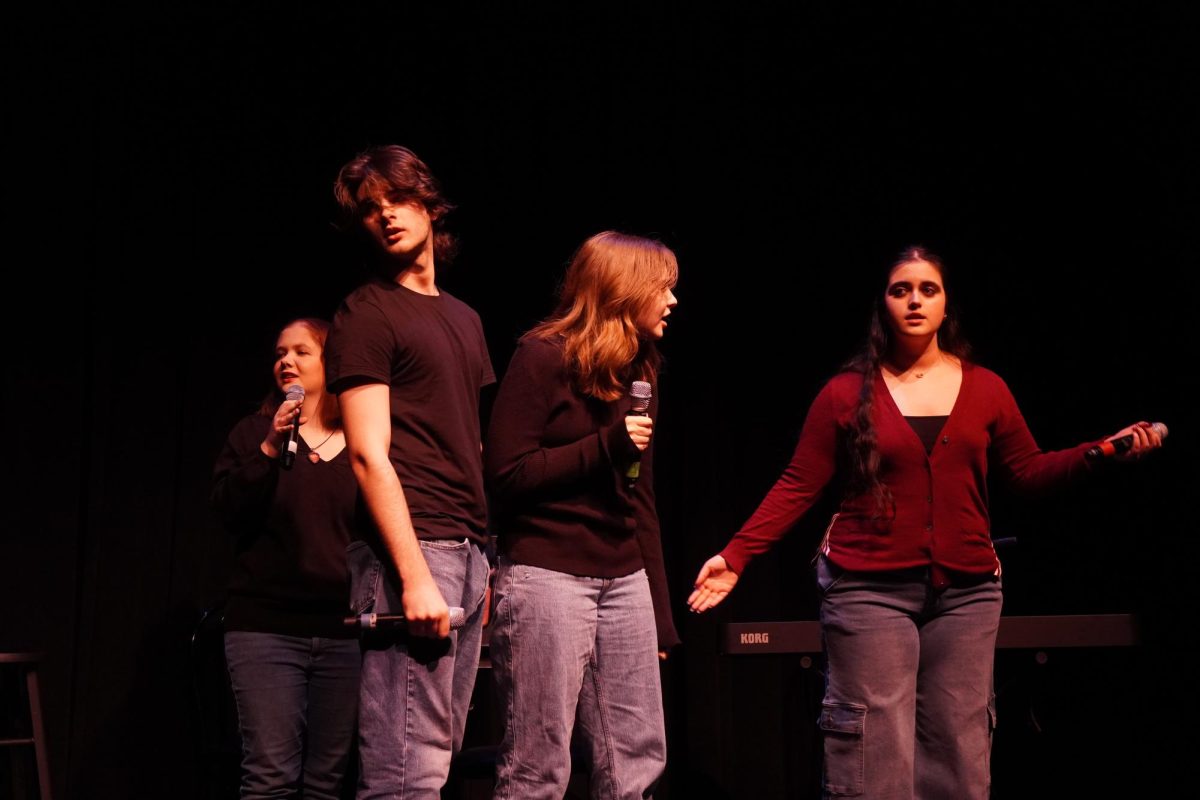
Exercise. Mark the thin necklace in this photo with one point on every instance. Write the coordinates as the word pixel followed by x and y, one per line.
pixel 313 455
pixel 931 366
pixel 919 375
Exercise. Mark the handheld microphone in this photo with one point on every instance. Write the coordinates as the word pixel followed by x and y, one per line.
pixel 391 622
pixel 291 441
pixel 641 393
pixel 1118 446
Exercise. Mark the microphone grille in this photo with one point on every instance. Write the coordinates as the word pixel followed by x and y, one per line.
pixel 641 394
pixel 294 392
pixel 1161 428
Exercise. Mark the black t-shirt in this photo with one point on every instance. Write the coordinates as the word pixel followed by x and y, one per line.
pixel 292 528
pixel 431 352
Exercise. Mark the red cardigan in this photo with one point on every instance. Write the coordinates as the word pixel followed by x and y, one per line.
pixel 941 508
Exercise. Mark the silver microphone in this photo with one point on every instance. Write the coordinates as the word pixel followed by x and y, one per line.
pixel 375 622
pixel 291 442
pixel 1118 446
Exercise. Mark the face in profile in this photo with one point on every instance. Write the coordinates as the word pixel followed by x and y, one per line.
pixel 653 320
pixel 399 226
pixel 915 299
pixel 298 359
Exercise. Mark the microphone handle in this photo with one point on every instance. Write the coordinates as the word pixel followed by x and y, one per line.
pixel 291 443
pixel 1106 449
pixel 372 622
pixel 634 470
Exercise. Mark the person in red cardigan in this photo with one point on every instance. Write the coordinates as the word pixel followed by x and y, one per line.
pixel 910 582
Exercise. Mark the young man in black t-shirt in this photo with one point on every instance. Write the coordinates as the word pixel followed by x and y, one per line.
pixel 408 361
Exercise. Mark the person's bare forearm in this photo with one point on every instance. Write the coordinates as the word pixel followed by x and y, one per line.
pixel 366 417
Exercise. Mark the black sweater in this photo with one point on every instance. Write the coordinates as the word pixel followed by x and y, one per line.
pixel 292 528
pixel 555 463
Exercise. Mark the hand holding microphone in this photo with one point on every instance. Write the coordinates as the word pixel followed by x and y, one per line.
pixel 1130 443
pixel 375 622
pixel 639 426
pixel 291 440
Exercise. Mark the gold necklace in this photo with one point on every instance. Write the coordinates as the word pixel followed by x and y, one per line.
pixel 898 375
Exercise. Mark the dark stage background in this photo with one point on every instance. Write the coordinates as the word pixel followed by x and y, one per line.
pixel 170 208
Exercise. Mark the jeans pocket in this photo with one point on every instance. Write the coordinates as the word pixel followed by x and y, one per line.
pixel 828 574
pixel 364 570
pixel 444 544
pixel 481 580
pixel 842 725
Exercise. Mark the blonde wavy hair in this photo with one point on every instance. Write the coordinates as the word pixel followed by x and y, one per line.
pixel 613 281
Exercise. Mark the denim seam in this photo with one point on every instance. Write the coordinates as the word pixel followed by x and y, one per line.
pixel 444 544
pixel 408 720
pixel 605 725
pixel 511 644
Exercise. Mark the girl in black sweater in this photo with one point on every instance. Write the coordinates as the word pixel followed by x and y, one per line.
pixel 293 665
pixel 582 604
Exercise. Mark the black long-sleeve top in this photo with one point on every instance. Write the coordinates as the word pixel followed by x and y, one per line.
pixel 292 528
pixel 555 463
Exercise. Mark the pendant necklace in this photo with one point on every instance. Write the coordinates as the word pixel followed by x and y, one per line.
pixel 313 455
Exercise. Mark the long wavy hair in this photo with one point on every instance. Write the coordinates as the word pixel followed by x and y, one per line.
pixel 392 168
pixel 331 415
pixel 613 280
pixel 862 444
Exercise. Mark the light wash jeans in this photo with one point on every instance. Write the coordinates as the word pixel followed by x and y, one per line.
pixel 297 699
pixel 567 651
pixel 909 709
pixel 415 691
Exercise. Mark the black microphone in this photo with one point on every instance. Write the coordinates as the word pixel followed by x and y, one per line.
pixel 291 440
pixel 391 622
pixel 1118 446
pixel 641 394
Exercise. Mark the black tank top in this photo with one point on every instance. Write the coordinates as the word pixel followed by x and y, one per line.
pixel 927 429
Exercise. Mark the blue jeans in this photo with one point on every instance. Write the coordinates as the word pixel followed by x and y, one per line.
pixel 415 691
pixel 297 699
pixel 565 650
pixel 908 709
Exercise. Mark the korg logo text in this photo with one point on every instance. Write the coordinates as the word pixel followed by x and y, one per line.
pixel 755 638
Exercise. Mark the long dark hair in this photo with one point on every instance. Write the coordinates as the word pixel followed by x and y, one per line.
pixel 862 446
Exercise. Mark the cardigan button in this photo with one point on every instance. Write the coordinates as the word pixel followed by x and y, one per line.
pixel 945 440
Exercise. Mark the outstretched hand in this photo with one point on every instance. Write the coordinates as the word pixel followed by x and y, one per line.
pixel 713 584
